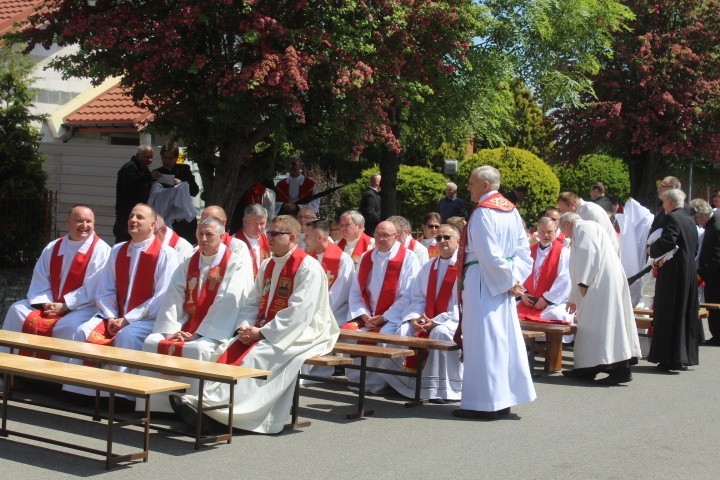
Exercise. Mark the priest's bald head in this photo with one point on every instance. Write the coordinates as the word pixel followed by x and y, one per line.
pixel 568 202
pixel 214 211
pixel 80 222
pixel 141 224
pixel 386 235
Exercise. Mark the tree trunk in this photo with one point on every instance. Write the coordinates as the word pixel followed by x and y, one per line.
pixel 389 168
pixel 644 171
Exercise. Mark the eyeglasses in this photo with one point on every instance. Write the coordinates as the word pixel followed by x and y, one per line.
pixel 433 226
pixel 307 217
pixel 276 234
pixel 440 238
pixel 385 236
pixel 661 186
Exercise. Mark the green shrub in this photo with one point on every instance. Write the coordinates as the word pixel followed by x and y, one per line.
pixel 611 171
pixel 418 191
pixel 518 168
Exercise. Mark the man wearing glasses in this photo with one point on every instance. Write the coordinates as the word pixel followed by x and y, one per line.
pixel 380 291
pixel 286 319
pixel 432 312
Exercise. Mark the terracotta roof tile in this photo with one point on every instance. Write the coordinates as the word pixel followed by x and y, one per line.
pixel 113 108
pixel 13 11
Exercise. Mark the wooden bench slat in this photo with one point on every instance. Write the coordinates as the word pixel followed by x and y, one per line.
pixel 328 361
pixel 130 358
pixel 371 350
pixel 413 342
pixel 84 376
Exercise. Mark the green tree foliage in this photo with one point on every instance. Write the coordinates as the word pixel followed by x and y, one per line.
pixel 22 176
pixel 611 171
pixel 418 191
pixel 518 168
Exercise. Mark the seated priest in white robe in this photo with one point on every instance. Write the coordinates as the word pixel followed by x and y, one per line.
pixel 200 306
pixel 354 241
pixel 433 313
pixel 252 233
pixel 286 320
pixel 380 292
pixel 235 244
pixel 547 288
pixel 169 237
pixel 496 260
pixel 339 269
pixel 606 339
pixel 61 296
pixel 131 292
pixel 405 237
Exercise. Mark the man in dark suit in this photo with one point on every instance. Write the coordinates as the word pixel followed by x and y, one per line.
pixel 370 205
pixel 133 187
pixel 709 261
pixel 677 333
pixel 169 154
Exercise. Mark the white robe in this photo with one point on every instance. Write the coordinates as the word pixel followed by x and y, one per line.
pixel 606 324
pixel 635 226
pixel 81 301
pixel 304 329
pixel 173 203
pixel 420 251
pixel 375 382
pixel 443 371
pixel 141 318
pixel 294 184
pixel 497 374
pixel 183 248
pixel 593 211
pixel 559 292
pixel 218 325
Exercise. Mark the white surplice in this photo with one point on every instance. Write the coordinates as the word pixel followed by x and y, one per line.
pixel 141 318
pixel 497 374
pixel 594 212
pixel 173 203
pixel 218 325
pixel 183 248
pixel 304 329
pixel 443 371
pixel 294 184
pixel 635 225
pixel 606 324
pixel 559 292
pixel 420 250
pixel 81 301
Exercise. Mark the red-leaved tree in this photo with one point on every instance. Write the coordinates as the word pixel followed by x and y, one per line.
pixel 658 99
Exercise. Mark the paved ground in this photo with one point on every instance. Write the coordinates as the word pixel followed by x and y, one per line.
pixel 658 426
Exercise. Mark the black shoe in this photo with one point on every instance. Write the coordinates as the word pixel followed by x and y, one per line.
pixel 615 379
pixel 680 366
pixel 210 426
pixel 474 414
pixel 580 374
pixel 504 411
pixel 175 403
pixel 666 367
pixel 442 401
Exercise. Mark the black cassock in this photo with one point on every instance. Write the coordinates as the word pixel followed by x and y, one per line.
pixel 675 311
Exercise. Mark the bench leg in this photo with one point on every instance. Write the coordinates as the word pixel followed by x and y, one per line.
pixel 294 415
pixel 6 393
pixel 553 352
pixel 198 417
pixel 418 380
pixel 110 420
pixel 230 412
pixel 361 392
pixel 530 346
pixel 146 424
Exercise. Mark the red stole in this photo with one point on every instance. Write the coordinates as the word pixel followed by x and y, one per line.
pixel 284 288
pixel 497 202
pixel 390 285
pixel 331 262
pixel 197 303
pixel 35 322
pixel 361 246
pixel 173 241
pixel 142 288
pixel 264 249
pixel 283 190
pixel 226 239
pixel 545 277
pixel 435 302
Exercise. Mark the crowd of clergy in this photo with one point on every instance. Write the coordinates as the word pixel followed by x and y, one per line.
pixel 278 290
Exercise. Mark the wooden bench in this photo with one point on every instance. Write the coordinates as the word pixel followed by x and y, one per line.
pixel 363 352
pixel 418 345
pixel 155 362
pixel 530 338
pixel 553 341
pixel 644 316
pixel 89 377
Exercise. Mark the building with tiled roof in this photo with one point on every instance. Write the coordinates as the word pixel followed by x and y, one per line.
pixel 14 11
pixel 110 111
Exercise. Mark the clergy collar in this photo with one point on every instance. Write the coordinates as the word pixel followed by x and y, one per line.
pixel 390 253
pixel 285 257
pixel 486 195
pixel 143 244
pixel 541 247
